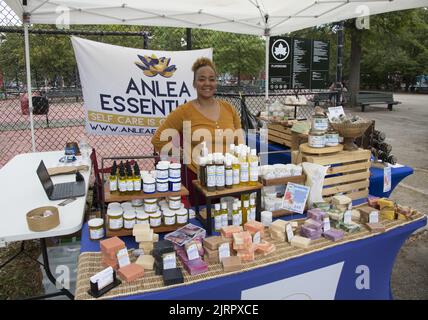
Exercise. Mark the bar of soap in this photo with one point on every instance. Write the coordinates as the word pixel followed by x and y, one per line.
pixel 144 236
pixel 254 226
pixel 131 272
pixel 365 213
pixel 316 214
pixel 212 259
pixel 277 235
pixel 300 242
pixel 242 238
pixel 155 237
pixel 373 202
pixel 146 245
pixel 161 247
pixel 384 202
pixel 172 276
pixel 228 231
pixel 324 206
pixel 265 247
pixel 335 215
pixel 140 228
pixel 196 266
pixel 146 261
pixel 388 213
pixel 376 227
pixel 112 245
pixel 356 216
pixel 313 224
pixel 107 262
pixel 311 233
pixel 246 255
pixel 341 200
pixel 279 225
pixel 213 242
pixel 334 234
pixel 350 227
pixel 232 263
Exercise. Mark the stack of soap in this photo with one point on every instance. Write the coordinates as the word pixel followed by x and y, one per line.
pixel 211 245
pixel 300 242
pixel 376 227
pixel 172 276
pixel 365 213
pixel 334 234
pixel 146 261
pixel 232 263
pixel 228 231
pixel 403 213
pixel 109 249
pixel 144 236
pixel 341 202
pixel 243 244
pixel 265 247
pixel 350 227
pixel 131 272
pixel 384 202
pixel 308 231
pixel 372 201
pixel 356 216
pixel 277 230
pixel 294 225
pixel 195 266
pixel 324 206
pixel 335 215
pixel 254 226
pixel 388 213
pixel 161 248
pixel 316 214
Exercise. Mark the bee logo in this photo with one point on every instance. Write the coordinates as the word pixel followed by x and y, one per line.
pixel 153 66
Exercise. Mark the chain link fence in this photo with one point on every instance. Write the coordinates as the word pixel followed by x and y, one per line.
pixel 239 59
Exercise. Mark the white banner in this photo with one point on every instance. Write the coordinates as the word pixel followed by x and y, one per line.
pixel 129 91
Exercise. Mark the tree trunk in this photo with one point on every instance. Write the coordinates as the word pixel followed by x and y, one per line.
pixel 354 72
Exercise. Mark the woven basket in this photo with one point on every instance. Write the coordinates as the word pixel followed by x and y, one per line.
pixel 350 130
pixel 37 222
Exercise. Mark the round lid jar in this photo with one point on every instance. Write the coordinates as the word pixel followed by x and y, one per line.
pixel 316 139
pixel 155 219
pixel 162 185
pixel 149 185
pixel 126 205
pixel 96 228
pixel 182 216
pixel 174 184
pixel 150 206
pixel 137 203
pixel 169 218
pixel 174 203
pixel 114 205
pixel 142 217
pixel 266 217
pixel 162 170
pixel 129 219
pixel 331 138
pixel 320 122
pixel 175 170
pixel 115 218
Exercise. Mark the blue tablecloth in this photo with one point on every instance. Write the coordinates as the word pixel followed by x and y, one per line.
pixel 356 270
pixel 376 174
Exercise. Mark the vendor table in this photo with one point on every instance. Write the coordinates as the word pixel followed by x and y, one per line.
pixel 282 154
pixel 355 270
pixel 22 191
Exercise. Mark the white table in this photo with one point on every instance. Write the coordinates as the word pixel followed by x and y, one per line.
pixel 22 191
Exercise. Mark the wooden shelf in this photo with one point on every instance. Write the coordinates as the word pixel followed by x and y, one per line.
pixel 273 182
pixel 226 191
pixel 126 232
pixel 281 213
pixel 108 197
pixel 305 148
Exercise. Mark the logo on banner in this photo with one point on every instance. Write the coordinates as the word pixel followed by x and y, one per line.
pixel 280 50
pixel 152 66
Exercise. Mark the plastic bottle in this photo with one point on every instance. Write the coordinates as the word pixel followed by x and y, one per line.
pixel 211 173
pixel 218 223
pixel 245 211
pixel 229 173
pixel 220 178
pixel 137 179
pixel 232 149
pixel 122 178
pixel 243 168
pixel 113 178
pixel 235 214
pixel 129 178
pixel 224 213
pixel 254 167
pixel 252 210
pixel 236 172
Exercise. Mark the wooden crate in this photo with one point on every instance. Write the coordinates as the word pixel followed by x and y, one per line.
pixel 280 134
pixel 349 173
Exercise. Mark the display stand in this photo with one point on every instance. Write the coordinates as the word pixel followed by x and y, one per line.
pixel 212 195
pixel 108 197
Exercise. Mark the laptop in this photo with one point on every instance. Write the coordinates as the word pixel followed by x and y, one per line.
pixel 60 190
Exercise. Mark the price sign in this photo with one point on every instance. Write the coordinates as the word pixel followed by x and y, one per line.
pixel 295 197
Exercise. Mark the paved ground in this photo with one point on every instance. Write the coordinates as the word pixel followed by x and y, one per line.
pixel 406 130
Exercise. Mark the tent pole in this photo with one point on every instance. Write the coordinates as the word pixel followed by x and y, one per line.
pixel 267 68
pixel 29 90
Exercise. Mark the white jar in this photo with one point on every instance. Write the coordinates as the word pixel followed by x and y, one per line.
pixel 149 185
pixel 316 139
pixel 174 184
pixel 162 185
pixel 150 205
pixel 182 216
pixel 114 205
pixel 126 205
pixel 129 219
pixel 96 228
pixel 155 219
pixel 142 217
pixel 163 203
pixel 175 170
pixel 162 170
pixel 115 217
pixel 169 217
pixel 174 203
pixel 266 217
pixel 136 203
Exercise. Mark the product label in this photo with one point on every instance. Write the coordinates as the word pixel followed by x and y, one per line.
pixel 236 219
pixel 331 139
pixel 192 252
pixel 129 185
pixel 224 220
pixel 326 224
pixel 182 218
pixel 97 233
pixel 115 224
pixel 129 224
pixel 123 258
pixel 169 261
pixel 149 187
pixel 113 185
pixel 316 141
pixel 256 238
pixel 211 176
pixel 155 222
pixel 173 204
pixel 244 172
pixel 229 177
pixel 176 186
pixel 162 186
pixel 252 214
pixel 218 222
pixel 374 217
pixel 220 176
pixel 236 176
pixel 122 186
pixel 162 174
pixel 174 173
pixel 347 218
pixel 137 185
pixel 223 251
pixel 169 220
pixel 320 124
pixel 289 231
pixel 150 207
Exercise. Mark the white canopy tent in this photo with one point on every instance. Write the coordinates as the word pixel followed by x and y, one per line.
pixel 255 17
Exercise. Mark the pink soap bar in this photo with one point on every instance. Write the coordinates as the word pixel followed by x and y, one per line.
pixel 112 245
pixel 316 214
pixel 131 272
pixel 196 266
pixel 230 230
pixel 254 226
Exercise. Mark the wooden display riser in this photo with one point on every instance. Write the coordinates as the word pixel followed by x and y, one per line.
pixel 279 134
pixel 226 191
pixel 348 173
pixel 282 181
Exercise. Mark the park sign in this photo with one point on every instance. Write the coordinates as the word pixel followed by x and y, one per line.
pixel 298 63
pixel 128 91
